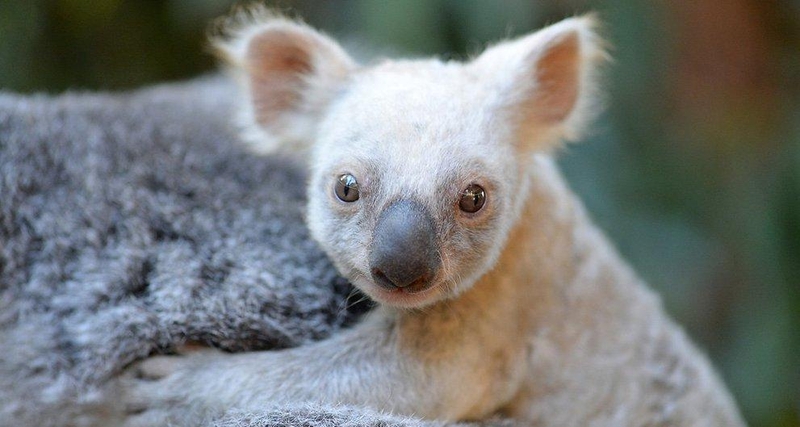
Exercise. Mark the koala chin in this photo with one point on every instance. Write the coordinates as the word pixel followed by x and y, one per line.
pixel 433 188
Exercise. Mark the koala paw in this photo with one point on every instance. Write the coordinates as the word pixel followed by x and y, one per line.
pixel 174 390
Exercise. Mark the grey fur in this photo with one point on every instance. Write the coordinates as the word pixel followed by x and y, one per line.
pixel 344 416
pixel 132 223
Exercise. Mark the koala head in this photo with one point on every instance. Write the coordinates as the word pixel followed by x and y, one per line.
pixel 418 168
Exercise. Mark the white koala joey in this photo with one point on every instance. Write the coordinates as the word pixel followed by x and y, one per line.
pixel 433 188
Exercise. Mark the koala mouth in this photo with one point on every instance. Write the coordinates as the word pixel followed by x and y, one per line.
pixel 420 284
pixel 412 296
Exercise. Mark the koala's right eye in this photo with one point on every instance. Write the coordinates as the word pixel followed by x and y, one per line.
pixel 347 188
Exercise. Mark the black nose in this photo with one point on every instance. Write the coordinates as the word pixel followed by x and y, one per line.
pixel 403 252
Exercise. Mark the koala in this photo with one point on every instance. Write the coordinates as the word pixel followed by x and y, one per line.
pixel 433 188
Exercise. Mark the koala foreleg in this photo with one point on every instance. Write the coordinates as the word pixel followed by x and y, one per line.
pixel 367 366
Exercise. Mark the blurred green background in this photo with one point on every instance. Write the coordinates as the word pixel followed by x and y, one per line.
pixel 694 169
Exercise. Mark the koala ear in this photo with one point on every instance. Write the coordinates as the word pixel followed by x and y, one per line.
pixel 290 73
pixel 543 84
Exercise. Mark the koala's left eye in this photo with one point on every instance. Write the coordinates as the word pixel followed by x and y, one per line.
pixel 472 198
pixel 346 188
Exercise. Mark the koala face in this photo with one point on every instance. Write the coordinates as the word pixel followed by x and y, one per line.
pixel 418 169
pixel 412 189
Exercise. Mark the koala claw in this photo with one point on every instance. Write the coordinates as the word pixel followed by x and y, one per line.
pixel 156 368
pixel 158 391
pixel 150 419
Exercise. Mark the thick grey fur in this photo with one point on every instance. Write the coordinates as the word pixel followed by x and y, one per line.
pixel 132 223
pixel 315 416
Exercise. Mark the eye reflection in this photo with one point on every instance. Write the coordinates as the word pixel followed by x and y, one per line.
pixel 346 188
pixel 472 198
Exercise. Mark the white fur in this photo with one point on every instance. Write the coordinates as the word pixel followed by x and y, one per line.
pixel 534 315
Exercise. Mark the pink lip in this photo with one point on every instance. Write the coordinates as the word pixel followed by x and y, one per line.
pixel 403 297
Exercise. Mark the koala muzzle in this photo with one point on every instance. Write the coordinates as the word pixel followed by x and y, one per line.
pixel 403 252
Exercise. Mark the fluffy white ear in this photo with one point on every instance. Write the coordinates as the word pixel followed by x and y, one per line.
pixel 544 84
pixel 290 73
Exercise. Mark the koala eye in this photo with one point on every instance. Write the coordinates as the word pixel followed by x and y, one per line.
pixel 347 188
pixel 472 198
